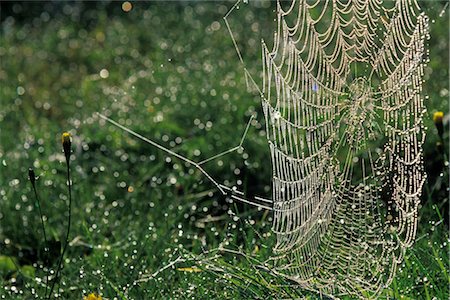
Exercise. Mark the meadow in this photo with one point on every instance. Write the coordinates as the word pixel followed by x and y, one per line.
pixel 146 225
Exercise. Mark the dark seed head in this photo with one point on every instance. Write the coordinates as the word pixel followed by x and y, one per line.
pixel 31 175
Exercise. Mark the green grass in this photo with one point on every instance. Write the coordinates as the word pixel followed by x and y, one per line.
pixel 176 80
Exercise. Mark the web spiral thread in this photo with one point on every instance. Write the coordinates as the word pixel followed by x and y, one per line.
pixel 341 78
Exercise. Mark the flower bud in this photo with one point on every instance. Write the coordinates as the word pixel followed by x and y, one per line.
pixel 438 121
pixel 65 138
pixel 92 296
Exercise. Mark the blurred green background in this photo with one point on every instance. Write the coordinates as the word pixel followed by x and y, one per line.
pixel 169 71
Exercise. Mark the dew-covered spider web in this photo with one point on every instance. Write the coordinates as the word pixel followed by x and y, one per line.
pixel 341 78
pixel 341 96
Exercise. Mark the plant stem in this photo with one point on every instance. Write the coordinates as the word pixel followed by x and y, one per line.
pixel 58 270
pixel 45 235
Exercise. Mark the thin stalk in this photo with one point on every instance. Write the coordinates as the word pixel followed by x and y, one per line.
pixel 444 152
pixel 68 228
pixel 32 178
pixel 43 230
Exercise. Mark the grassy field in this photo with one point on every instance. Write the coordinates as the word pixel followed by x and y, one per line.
pixel 146 225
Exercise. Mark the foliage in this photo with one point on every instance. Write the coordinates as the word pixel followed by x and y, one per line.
pixel 171 73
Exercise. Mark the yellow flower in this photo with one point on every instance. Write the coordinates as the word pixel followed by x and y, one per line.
pixel 192 269
pixel 92 296
pixel 438 117
pixel 65 138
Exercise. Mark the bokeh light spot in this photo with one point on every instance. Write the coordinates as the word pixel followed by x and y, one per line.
pixel 127 6
pixel 104 73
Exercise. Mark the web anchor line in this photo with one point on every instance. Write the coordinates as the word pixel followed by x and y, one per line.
pixel 238 51
pixel 225 190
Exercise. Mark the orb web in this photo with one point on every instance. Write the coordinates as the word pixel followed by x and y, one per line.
pixel 341 78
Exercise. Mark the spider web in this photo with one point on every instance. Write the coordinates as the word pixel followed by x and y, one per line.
pixel 342 77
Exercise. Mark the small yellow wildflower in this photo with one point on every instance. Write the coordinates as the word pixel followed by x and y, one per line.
pixel 92 296
pixel 438 117
pixel 65 138
pixel 192 269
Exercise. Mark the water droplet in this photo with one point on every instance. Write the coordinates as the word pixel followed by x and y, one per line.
pixel 104 73
pixel 20 90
